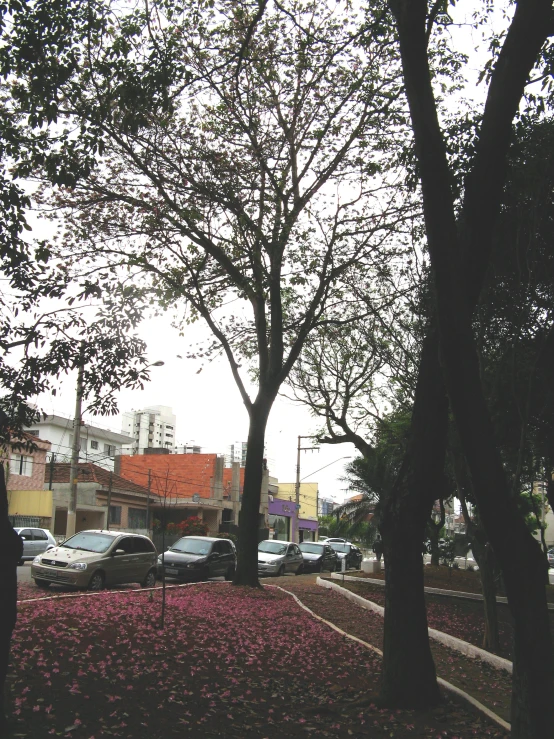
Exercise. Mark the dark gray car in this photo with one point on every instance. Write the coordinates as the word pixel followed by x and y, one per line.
pixel 199 558
pixel 318 556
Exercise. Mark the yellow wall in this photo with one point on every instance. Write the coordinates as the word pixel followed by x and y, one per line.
pixel 308 497
pixel 30 503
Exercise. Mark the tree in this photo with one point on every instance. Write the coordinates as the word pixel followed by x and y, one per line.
pixel 461 247
pixel 44 315
pixel 236 149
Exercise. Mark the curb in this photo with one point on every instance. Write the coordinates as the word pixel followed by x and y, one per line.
pixel 433 591
pixel 444 683
pixel 459 645
pixel 88 594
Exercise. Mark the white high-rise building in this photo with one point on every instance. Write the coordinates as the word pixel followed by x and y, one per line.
pixel 236 453
pixel 151 428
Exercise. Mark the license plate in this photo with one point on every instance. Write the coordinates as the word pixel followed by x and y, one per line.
pixel 171 571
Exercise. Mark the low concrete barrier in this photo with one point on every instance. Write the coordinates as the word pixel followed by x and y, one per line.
pixel 449 641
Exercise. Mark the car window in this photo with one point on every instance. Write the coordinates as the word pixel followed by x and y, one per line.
pixel 272 547
pixel 143 545
pixel 27 534
pixel 296 550
pixel 127 544
pixel 191 546
pixel 216 548
pixel 39 535
pixel 89 541
pixel 311 548
pixel 225 547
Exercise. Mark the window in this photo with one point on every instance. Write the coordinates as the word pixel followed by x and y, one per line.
pixel 169 427
pixel 39 535
pixel 109 449
pixel 127 544
pixel 93 444
pixel 115 514
pixel 20 464
pixel 34 432
pixel 143 545
pixel 137 518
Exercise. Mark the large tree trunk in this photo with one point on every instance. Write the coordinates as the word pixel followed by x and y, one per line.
pixel 484 557
pixel 459 264
pixel 11 551
pixel 409 678
pixel 249 517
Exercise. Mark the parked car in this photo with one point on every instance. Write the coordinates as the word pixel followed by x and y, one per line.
pixel 35 541
pixel 318 556
pixel 349 552
pixel 550 555
pixel 199 558
pixel 337 539
pixel 93 559
pixel 322 538
pixel 277 557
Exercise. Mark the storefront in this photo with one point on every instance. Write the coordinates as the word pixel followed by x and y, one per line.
pixel 281 515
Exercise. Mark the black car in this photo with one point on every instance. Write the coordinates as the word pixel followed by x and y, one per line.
pixel 318 556
pixel 550 556
pixel 199 558
pixel 349 552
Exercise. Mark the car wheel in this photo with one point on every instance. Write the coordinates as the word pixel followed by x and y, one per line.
pixel 96 581
pixel 300 570
pixel 230 573
pixel 281 571
pixel 150 580
pixel 43 584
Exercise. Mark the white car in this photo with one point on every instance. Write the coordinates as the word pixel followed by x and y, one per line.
pixel 467 563
pixel 35 541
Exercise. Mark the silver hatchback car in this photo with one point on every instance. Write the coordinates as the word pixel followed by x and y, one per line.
pixel 92 559
pixel 35 541
pixel 277 557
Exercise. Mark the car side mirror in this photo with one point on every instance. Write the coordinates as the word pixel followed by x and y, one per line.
pixel 119 551
pixel 214 555
pixel 49 547
pixel 23 537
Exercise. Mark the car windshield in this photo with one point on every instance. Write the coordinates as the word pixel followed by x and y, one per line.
pixel 272 547
pixel 89 542
pixel 338 547
pixel 191 546
pixel 311 548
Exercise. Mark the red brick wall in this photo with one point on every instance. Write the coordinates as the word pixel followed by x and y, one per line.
pixel 36 480
pixel 180 475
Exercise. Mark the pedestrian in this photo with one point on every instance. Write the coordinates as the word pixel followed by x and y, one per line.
pixel 378 548
pixel 11 551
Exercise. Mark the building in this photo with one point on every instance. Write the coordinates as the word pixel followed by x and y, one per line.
pixel 194 485
pixel 326 506
pixel 29 504
pixel 104 500
pixel 282 511
pixel 236 453
pixel 151 428
pixel 97 445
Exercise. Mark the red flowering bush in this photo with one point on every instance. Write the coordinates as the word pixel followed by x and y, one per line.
pixel 191 526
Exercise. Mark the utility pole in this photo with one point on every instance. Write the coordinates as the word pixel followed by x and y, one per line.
pixel 148 503
pixel 109 500
pixel 77 422
pixel 51 477
pixel 295 530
